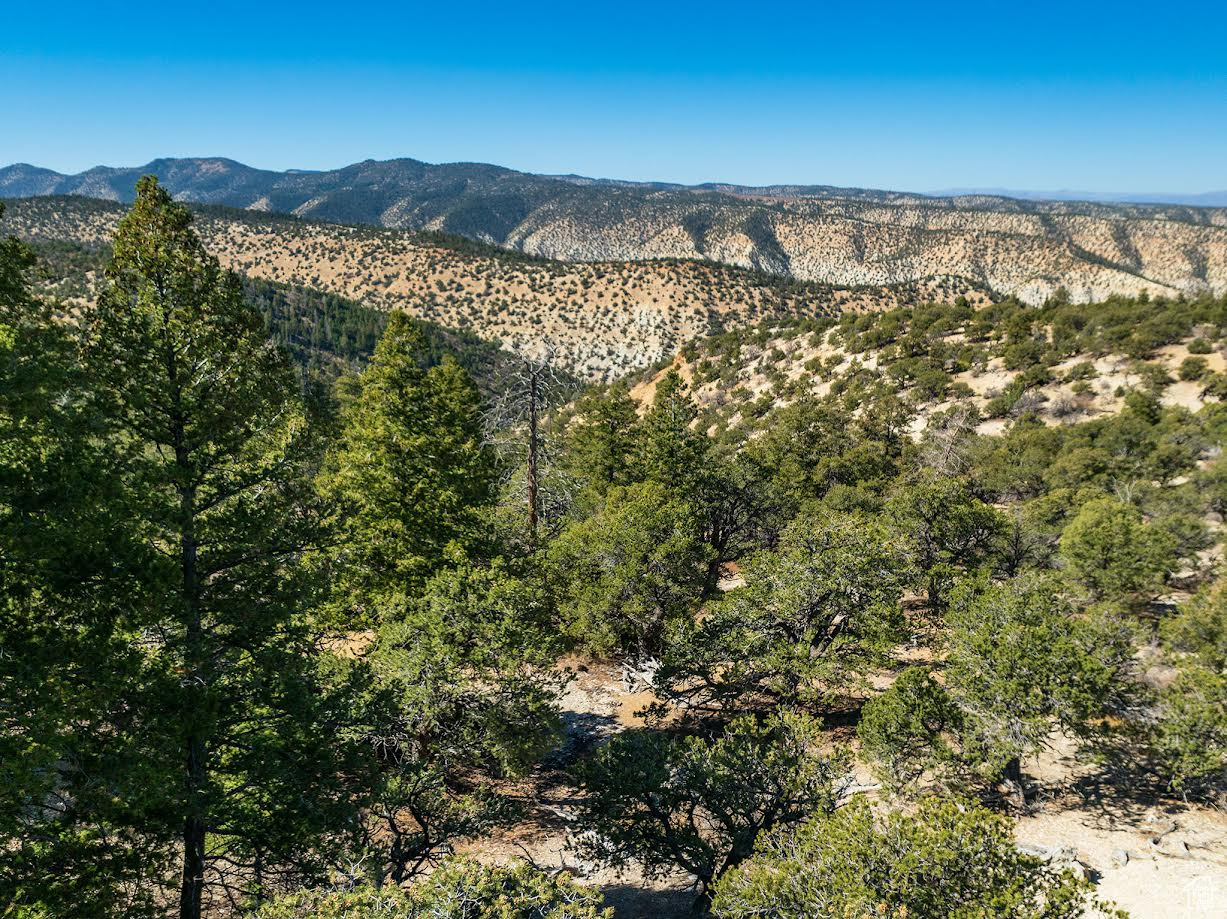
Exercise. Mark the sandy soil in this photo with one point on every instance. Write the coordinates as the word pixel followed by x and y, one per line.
pixel 1146 855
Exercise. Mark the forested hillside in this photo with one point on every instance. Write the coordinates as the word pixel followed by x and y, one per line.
pixel 913 613
pixel 598 320
pixel 836 236
pixel 325 334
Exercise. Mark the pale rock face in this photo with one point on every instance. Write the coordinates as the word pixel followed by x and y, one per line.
pixel 602 319
pixel 841 237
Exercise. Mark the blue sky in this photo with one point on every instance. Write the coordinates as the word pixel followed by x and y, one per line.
pixel 924 96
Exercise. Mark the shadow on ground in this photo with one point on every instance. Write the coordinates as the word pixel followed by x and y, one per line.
pixel 631 901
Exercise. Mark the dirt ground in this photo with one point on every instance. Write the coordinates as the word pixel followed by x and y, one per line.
pixel 595 706
pixel 1156 859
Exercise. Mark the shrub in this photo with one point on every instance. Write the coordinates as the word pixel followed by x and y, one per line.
pixel 1192 368
pixel 459 889
pixel 1110 550
pixel 698 804
pixel 950 859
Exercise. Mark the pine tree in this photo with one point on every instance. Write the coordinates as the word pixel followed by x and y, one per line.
pixel 602 438
pixel 410 476
pixel 66 773
pixel 215 482
pixel 670 450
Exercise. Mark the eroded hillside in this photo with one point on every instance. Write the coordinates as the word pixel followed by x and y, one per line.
pixel 600 319
pixel 838 236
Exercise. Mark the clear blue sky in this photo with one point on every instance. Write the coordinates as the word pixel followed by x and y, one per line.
pixel 921 96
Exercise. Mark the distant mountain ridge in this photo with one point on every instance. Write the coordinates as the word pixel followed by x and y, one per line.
pixel 838 236
pixel 1202 199
pixel 597 319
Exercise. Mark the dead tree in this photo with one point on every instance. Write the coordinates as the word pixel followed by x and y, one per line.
pixel 528 387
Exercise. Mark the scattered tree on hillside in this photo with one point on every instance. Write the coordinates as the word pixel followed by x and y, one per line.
pixel 1019 662
pixel 701 805
pixel 465 694
pixel 1109 549
pixel 458 889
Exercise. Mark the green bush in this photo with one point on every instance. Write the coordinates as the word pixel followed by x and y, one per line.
pixel 951 859
pixel 1192 368
pixel 459 889
pixel 699 805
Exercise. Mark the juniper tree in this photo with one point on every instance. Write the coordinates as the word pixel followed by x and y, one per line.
pixel 950 859
pixel 699 804
pixel 814 613
pixel 1020 662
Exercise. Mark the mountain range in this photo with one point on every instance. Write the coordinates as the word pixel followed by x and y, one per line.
pixel 835 236
pixel 597 319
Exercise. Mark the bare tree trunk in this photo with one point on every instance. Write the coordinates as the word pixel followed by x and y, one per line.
pixel 534 411
pixel 1012 777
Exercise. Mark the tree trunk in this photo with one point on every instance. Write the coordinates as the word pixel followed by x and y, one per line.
pixel 192 888
pixel 711 580
pixel 1012 777
pixel 195 768
pixel 533 448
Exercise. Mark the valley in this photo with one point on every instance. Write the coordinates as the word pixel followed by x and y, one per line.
pixel 845 237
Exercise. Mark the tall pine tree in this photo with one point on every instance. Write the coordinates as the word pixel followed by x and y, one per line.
pixel 215 481
pixel 409 478
pixel 70 775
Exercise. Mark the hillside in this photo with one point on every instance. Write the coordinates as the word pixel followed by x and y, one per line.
pixel 600 319
pixel 843 237
pixel 1059 365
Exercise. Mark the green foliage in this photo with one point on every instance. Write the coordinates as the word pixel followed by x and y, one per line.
pixel 1019 663
pixel 671 452
pixel 409 476
pixel 947 530
pixel 815 445
pixel 628 574
pixel 950 859
pixel 212 481
pixel 700 805
pixel 458 889
pixel 66 663
pixel 910 728
pixel 815 613
pixel 601 440
pixel 1111 551
pixel 1192 368
pixel 1021 660
pixel 467 693
pixel 1189 730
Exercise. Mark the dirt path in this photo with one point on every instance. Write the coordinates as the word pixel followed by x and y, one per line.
pixel 595 707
